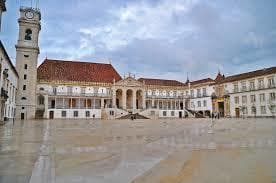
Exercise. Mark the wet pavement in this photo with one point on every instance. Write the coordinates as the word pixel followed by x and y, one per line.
pixel 188 150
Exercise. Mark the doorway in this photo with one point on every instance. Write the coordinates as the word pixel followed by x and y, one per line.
pixel 237 111
pixel 221 109
pixel 180 114
pixel 181 106
pixel 51 114
pixel 22 116
pixel 53 104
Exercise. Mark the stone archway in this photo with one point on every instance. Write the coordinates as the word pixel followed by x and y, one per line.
pixel 129 99
pixel 139 99
pixel 119 98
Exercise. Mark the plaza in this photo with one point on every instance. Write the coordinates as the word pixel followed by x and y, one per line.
pixel 161 150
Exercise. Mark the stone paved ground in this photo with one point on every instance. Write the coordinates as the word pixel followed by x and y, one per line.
pixel 173 151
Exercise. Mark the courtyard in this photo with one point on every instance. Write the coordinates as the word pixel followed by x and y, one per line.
pixel 140 151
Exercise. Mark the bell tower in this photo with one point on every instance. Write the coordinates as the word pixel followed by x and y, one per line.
pixel 27 51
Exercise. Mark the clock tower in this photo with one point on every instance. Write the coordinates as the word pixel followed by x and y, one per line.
pixel 27 51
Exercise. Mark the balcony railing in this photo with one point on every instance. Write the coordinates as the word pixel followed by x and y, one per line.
pixel 80 94
pixel 236 90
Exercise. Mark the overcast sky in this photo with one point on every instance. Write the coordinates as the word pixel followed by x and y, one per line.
pixel 155 38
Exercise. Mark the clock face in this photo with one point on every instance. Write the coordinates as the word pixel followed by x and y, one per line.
pixel 29 15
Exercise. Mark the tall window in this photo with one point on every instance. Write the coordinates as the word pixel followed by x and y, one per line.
pixel 236 100
pixel 252 98
pixel 271 82
pixel 24 87
pixel 198 93
pixel 25 76
pixel 204 92
pixel 262 97
pixel 192 93
pixel 243 86
pixel 25 66
pixel 204 103
pixel 252 85
pixel 272 96
pixel 198 103
pixel 261 83
pixel 28 34
pixel 236 88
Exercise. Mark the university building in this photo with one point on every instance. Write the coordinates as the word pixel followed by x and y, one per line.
pixel 73 89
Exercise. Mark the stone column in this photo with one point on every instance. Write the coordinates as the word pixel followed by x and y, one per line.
pixel 114 99
pixel 143 100
pixel 102 103
pixel 124 98
pixel 46 103
pixel 152 103
pixel 134 100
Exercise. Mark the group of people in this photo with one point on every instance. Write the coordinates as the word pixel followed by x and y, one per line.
pixel 215 115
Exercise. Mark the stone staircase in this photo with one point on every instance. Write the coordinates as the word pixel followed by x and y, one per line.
pixel 195 114
pixel 135 116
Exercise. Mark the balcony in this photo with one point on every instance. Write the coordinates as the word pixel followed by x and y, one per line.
pixel 166 97
pixel 72 94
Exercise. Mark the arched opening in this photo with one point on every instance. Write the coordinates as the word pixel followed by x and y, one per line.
pixel 119 95
pixel 28 34
pixel 129 99
pixel 200 112
pixel 208 113
pixel 139 99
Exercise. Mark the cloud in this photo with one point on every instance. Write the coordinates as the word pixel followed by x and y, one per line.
pixel 159 38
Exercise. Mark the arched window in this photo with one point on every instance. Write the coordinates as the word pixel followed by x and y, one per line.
pixel 41 89
pixel 28 34
pixel 23 98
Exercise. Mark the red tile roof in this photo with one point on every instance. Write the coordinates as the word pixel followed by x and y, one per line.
pixel 161 82
pixel 201 81
pixel 248 75
pixel 60 70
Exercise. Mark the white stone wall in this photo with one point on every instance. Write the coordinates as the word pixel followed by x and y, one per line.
pixel 10 85
pixel 169 113
pixel 70 113
pixel 202 107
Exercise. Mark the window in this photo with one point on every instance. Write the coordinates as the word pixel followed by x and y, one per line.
pixel 252 85
pixel 172 113
pixel 41 100
pixel 63 114
pixel 87 113
pixel 272 96
pixel 271 82
pixel 243 86
pixel 164 113
pixel 253 110
pixel 24 87
pixel 198 103
pixel 25 76
pixel 23 108
pixel 261 83
pixel 28 34
pixel 204 92
pixel 252 98
pixel 26 66
pixel 204 103
pixel 23 98
pixel 262 97
pixel 198 93
pixel 111 113
pixel 192 93
pixel 244 99
pixel 76 113
pixel 263 110
pixel 26 56
pixel 236 88
pixel 236 100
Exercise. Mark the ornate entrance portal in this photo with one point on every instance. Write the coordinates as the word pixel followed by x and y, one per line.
pixel 128 94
